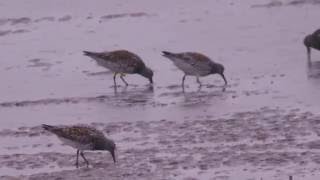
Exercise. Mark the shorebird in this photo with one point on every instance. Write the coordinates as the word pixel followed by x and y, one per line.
pixel 312 41
pixel 195 64
pixel 83 138
pixel 121 62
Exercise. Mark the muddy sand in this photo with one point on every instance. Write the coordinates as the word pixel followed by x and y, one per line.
pixel 263 125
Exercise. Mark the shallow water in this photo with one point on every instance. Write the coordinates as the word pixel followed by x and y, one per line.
pixel 262 125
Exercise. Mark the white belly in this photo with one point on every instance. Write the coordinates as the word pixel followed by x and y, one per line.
pixel 75 144
pixel 114 67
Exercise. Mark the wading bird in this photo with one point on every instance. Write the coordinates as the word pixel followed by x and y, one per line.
pixel 195 64
pixel 83 138
pixel 121 62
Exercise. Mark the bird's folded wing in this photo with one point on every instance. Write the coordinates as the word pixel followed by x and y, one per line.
pixel 83 135
pixel 197 60
pixel 203 66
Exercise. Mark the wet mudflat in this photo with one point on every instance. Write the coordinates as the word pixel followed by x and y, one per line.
pixel 264 124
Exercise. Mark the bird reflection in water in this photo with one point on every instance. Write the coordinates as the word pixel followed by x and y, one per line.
pixel 223 88
pixel 133 95
pixel 203 94
pixel 313 69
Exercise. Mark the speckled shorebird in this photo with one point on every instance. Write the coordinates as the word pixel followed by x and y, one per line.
pixel 121 62
pixel 83 138
pixel 195 64
pixel 312 41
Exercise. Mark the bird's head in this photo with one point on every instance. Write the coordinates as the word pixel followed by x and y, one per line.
pixel 219 69
pixel 147 73
pixel 308 41
pixel 110 146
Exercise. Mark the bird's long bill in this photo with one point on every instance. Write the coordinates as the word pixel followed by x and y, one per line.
pixel 309 53
pixel 113 156
pixel 224 78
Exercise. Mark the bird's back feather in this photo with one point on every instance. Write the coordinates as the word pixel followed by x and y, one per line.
pixel 121 61
pixel 192 63
pixel 78 134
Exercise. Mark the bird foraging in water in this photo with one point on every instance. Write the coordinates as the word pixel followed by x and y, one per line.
pixel 195 64
pixel 312 41
pixel 83 138
pixel 121 62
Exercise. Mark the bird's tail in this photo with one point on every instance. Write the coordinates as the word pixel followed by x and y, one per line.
pixel 90 54
pixel 167 54
pixel 47 127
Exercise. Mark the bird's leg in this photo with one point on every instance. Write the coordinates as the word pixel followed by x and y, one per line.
pixel 183 78
pixel 114 79
pixel 77 162
pixel 82 155
pixel 198 81
pixel 121 76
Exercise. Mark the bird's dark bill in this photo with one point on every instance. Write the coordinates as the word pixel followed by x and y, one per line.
pixel 309 53
pixel 113 156
pixel 224 78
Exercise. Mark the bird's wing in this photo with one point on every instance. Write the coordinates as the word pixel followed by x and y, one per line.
pixel 197 60
pixel 77 133
pixel 127 60
pixel 107 56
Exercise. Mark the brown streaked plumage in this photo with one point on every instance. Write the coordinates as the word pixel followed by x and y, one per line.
pixel 195 64
pixel 121 62
pixel 82 138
